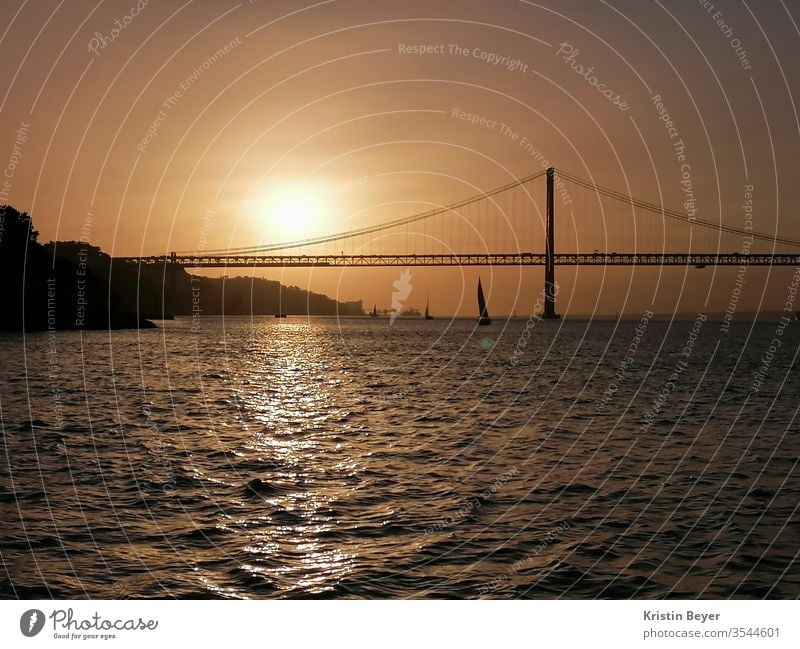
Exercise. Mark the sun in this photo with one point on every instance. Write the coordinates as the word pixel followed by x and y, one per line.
pixel 292 211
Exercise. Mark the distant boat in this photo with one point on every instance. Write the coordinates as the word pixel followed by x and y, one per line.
pixel 484 318
pixel 280 315
pixel 428 315
pixel 374 313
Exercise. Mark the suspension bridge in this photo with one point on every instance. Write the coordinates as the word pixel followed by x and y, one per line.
pixel 508 227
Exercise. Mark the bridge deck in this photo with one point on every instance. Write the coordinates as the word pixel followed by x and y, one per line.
pixel 478 259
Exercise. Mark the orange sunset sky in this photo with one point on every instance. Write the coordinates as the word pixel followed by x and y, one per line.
pixel 319 117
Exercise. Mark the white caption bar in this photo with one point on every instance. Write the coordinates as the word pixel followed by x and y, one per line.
pixel 352 624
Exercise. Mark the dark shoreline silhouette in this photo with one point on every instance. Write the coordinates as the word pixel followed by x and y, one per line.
pixel 56 286
pixel 200 295
pixel 72 285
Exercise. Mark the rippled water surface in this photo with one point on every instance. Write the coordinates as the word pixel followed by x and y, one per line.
pixel 347 458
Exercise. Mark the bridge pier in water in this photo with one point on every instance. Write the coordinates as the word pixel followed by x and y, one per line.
pixel 549 253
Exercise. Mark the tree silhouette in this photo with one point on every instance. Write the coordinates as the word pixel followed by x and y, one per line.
pixel 17 239
pixel 16 229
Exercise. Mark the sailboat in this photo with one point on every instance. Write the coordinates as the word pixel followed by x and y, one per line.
pixel 374 313
pixel 484 318
pixel 428 315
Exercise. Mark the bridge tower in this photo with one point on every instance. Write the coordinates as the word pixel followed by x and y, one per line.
pixel 550 289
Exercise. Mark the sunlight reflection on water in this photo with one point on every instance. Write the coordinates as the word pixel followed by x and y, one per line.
pixel 350 459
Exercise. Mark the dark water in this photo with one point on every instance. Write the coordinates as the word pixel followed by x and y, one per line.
pixel 325 458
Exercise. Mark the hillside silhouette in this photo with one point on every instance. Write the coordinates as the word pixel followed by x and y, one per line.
pixel 55 285
pixel 250 296
pixel 74 285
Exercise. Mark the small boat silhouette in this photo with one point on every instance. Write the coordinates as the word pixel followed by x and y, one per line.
pixel 374 313
pixel 484 318
pixel 428 315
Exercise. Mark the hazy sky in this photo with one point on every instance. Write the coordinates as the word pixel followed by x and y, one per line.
pixel 151 117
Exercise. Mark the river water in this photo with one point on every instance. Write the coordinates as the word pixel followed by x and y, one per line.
pixel 255 457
